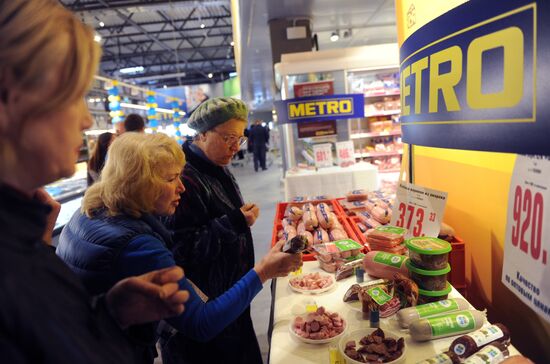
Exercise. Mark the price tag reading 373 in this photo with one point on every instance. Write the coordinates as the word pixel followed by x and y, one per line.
pixel 418 209
pixel 527 240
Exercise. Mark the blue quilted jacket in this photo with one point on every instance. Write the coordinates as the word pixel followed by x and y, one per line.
pixel 105 249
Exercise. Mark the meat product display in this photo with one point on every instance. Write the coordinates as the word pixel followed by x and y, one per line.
pixel 310 217
pixel 353 207
pixel 346 270
pixel 288 222
pixel 387 233
pixel 491 354
pixel 338 252
pixel 319 325
pixel 335 222
pixel 352 294
pixel 381 214
pixel 301 227
pixel 368 220
pixel 375 348
pixel 312 281
pixel 383 265
pixel 398 249
pixel 408 315
pixel 309 238
pixel 290 230
pixel 444 326
pixel 323 216
pixel 386 238
pixel 429 253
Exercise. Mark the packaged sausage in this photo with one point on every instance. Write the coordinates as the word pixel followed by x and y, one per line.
pixel 381 214
pixel 335 222
pixel 429 253
pixel 309 237
pixel 383 265
pixel 491 354
pixel 295 245
pixel 443 358
pixel 451 324
pixel 346 270
pixel 287 221
pixel 290 230
pixel 471 343
pixel 323 216
pixel 295 213
pixel 357 195
pixel 301 227
pixel 362 227
pixel 398 249
pixel 320 236
pixel 367 219
pixel 387 232
pixel 425 296
pixel 310 217
pixel 430 280
pixel 353 207
pixel 337 234
pixel 407 315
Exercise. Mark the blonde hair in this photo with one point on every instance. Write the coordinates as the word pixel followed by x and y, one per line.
pixel 131 180
pixel 31 43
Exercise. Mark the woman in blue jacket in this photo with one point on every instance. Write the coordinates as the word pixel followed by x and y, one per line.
pixel 117 234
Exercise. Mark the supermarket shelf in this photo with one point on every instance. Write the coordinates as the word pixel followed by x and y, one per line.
pixel 383 113
pixel 382 95
pixel 377 154
pixel 375 134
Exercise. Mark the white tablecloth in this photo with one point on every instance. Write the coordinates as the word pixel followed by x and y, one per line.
pixel 335 181
pixel 285 349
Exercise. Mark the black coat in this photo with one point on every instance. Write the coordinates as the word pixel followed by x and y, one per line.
pixel 213 244
pixel 46 315
pixel 258 136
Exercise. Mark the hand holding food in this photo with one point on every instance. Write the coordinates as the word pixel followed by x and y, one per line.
pixel 277 263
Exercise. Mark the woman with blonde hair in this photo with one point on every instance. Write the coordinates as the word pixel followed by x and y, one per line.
pixel 47 61
pixel 118 234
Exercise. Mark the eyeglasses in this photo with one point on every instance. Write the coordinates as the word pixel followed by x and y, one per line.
pixel 231 140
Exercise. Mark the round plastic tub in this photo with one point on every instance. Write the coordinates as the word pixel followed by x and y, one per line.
pixel 430 280
pixel 429 253
pixel 425 296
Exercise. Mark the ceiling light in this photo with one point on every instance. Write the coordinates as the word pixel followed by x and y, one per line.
pixel 101 24
pixel 127 70
pixel 232 43
pixel 203 26
pixel 334 37
pixel 165 86
pixel 97 38
pixel 210 75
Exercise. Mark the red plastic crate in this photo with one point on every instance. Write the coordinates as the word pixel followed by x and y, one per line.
pixel 308 256
pixel 457 260
pixel 353 220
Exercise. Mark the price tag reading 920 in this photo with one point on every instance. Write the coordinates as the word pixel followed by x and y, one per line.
pixel 527 241
pixel 418 209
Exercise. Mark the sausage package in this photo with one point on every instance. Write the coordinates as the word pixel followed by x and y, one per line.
pixel 324 216
pixel 357 195
pixel 387 232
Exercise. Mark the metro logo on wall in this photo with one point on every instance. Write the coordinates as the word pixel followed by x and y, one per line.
pixel 317 108
pixel 469 79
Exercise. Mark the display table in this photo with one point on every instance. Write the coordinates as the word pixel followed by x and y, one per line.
pixel 285 349
pixel 333 181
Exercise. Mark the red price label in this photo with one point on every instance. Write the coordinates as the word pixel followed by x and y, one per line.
pixel 344 153
pixel 412 217
pixel 322 155
pixel 527 223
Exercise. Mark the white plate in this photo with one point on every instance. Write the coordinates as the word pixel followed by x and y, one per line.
pixel 357 335
pixel 315 342
pixel 312 291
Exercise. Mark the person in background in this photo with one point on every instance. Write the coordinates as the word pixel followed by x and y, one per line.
pixel 212 238
pixel 47 61
pixel 117 234
pixel 259 137
pixel 97 160
pixel 134 122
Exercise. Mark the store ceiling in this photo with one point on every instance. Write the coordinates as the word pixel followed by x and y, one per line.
pixel 370 22
pixel 175 42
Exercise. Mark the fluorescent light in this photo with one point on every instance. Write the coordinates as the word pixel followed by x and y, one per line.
pixel 232 43
pixel 203 26
pixel 101 24
pixel 334 37
pixel 232 74
pixel 127 70
pixel 134 106
pixel 164 86
pixel 97 38
pixel 210 75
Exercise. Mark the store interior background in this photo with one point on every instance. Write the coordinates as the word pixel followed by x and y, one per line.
pixel 230 49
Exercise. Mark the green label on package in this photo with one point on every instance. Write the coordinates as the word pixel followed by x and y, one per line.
pixel 378 295
pixel 452 323
pixel 488 355
pixel 391 229
pixel 389 259
pixel 435 308
pixel 347 244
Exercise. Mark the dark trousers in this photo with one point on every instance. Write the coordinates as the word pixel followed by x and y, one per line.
pixel 259 156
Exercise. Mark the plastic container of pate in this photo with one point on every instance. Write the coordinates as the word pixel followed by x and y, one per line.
pixel 430 280
pixel 428 253
pixel 425 296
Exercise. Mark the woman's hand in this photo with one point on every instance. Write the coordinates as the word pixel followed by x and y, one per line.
pixel 150 297
pixel 277 264
pixel 44 197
